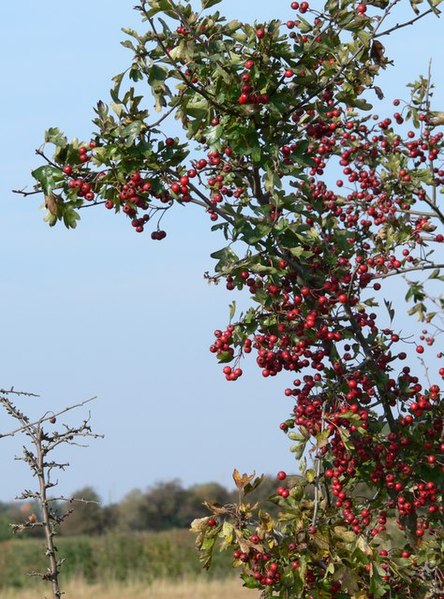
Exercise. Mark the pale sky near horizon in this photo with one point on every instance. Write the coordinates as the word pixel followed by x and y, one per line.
pixel 104 311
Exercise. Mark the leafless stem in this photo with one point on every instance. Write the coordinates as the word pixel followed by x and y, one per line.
pixel 406 270
pixel 48 416
pixel 43 443
pixel 26 193
pixel 407 23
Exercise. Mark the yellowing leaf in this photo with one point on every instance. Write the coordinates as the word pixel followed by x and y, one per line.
pixel 199 524
pixel 310 475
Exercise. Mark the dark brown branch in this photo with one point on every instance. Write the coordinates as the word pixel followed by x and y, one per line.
pixel 369 354
pixel 26 193
pixel 407 23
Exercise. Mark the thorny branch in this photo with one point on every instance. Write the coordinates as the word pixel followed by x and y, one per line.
pixel 43 443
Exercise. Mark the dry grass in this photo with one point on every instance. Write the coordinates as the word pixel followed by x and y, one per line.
pixel 187 589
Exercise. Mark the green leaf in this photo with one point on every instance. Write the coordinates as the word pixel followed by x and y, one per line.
pixel 227 534
pixel 377 586
pixel 362 104
pixel 298 449
pixel 157 75
pixel 206 551
pixel 56 137
pixel 49 177
pixel 226 258
pixel 208 3
pixel 436 274
pixel 70 218
pixel 214 135
pixel 118 81
pixel 132 131
pixel 310 475
pixel 272 181
pixel 164 6
pixel 225 357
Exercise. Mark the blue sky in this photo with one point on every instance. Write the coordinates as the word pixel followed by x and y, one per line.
pixel 103 311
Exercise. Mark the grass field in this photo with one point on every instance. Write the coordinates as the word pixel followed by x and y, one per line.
pixel 186 589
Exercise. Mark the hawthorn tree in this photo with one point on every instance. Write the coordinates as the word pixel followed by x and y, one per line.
pixel 320 200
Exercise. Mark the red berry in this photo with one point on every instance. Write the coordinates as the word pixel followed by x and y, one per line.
pixel 281 475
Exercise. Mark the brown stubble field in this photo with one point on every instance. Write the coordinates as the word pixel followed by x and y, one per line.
pixel 187 589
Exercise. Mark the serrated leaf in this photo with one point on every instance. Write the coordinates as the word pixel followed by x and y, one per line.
pixel 322 439
pixel 157 75
pixel 55 136
pixel 214 135
pixel 49 177
pixel 241 480
pixel 298 449
pixel 225 257
pixel 132 131
pixel 227 534
pixel 70 218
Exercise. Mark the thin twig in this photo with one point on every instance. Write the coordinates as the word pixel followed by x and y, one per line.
pixel 406 270
pixel 407 23
pixel 45 418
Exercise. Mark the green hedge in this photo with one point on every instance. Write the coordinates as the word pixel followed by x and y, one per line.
pixel 145 557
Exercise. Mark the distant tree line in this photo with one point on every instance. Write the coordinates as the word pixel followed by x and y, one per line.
pixel 164 506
